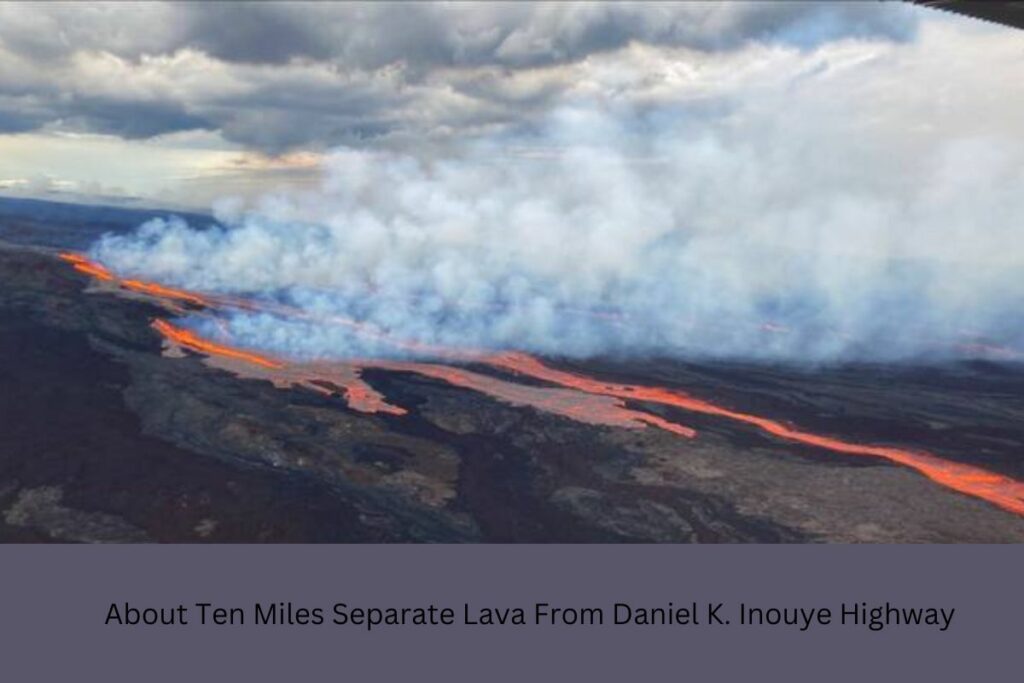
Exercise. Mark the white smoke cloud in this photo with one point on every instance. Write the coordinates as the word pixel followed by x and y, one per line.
pixel 856 201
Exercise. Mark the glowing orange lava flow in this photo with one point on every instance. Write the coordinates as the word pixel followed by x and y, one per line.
pixel 579 403
pixel 321 376
pixel 998 489
pixel 196 343
pixel 362 329
pixel 164 292
pixel 84 265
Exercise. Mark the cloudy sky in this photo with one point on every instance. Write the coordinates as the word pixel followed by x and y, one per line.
pixel 184 103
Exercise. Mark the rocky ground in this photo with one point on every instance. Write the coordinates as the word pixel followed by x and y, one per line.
pixel 102 438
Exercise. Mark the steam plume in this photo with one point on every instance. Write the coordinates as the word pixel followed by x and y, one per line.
pixel 779 223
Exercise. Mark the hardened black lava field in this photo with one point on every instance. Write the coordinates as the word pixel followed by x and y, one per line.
pixel 108 438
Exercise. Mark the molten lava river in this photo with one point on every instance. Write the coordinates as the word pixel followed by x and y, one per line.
pixel 571 395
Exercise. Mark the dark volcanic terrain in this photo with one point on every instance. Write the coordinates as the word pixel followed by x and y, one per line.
pixel 105 438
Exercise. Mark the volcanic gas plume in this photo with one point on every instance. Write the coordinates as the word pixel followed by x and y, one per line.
pixel 568 394
pixel 620 235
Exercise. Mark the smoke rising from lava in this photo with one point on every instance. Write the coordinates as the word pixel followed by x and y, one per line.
pixel 788 222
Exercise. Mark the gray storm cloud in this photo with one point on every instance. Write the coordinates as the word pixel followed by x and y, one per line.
pixel 775 227
pixel 289 75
